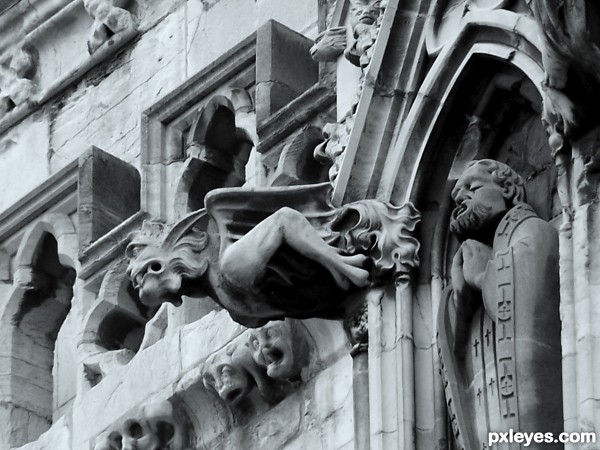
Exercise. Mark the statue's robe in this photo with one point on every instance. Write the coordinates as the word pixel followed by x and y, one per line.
pixel 501 358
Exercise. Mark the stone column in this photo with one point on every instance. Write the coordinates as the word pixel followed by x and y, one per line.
pixel 391 366
pixel 580 287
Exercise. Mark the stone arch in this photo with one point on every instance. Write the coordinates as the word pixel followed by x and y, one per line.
pixel 217 150
pixel 113 328
pixel 443 131
pixel 499 35
pixel 37 306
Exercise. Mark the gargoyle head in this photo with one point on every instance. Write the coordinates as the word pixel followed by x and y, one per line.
pixel 364 14
pixel 163 260
pixel 229 379
pixel 280 348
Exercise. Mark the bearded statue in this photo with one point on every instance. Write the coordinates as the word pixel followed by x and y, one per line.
pixel 499 325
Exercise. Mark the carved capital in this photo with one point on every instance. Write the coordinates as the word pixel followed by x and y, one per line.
pixel 158 425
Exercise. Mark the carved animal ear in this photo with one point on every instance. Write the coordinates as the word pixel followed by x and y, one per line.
pixel 197 218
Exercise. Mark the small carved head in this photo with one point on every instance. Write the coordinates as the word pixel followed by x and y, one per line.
pixel 230 380
pixel 364 14
pixel 280 347
pixel 157 426
pixel 159 268
pixel 98 9
pixel 484 192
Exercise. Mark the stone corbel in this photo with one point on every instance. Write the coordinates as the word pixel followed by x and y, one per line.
pixel 266 358
pixel 233 374
pixel 17 86
pixel 158 425
pixel 281 348
pixel 110 18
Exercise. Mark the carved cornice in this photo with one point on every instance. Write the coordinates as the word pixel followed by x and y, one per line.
pixel 60 188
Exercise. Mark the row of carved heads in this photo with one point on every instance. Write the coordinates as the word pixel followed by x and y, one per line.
pixel 266 359
pixel 16 79
pixel 155 426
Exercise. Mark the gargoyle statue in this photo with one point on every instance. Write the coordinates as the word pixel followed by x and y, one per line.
pixel 257 255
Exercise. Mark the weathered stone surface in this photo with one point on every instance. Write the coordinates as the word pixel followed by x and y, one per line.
pixel 206 40
pixel 106 110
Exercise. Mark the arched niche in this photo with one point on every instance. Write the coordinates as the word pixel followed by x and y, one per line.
pixel 480 99
pixel 216 148
pixel 37 377
pixel 113 328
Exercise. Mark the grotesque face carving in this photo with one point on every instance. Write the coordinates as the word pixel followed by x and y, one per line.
pixel 159 272
pixel 229 380
pixel 156 426
pixel 278 349
pixel 363 14
pixel 485 191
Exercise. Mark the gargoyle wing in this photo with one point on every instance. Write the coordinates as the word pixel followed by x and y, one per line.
pixel 237 210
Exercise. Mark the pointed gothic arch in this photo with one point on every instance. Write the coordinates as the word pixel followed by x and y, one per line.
pixel 37 306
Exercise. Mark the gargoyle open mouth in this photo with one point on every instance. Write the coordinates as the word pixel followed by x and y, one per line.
pixel 273 356
pixel 460 210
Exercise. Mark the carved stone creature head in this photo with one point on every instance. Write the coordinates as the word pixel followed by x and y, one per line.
pixel 280 347
pixel 157 426
pixel 363 15
pixel 162 261
pixel 484 192
pixel 229 379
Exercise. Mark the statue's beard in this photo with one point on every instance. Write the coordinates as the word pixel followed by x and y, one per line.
pixel 470 219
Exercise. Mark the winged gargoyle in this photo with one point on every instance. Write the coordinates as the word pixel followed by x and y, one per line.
pixel 571 34
pixel 271 253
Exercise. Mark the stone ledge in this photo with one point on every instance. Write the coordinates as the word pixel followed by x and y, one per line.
pixel 38 201
pixel 294 115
